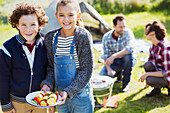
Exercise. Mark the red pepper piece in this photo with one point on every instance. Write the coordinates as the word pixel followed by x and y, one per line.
pixel 57 94
pixel 37 99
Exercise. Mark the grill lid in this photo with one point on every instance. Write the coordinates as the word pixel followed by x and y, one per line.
pixel 101 82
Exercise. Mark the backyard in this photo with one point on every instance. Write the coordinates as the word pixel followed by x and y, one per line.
pixel 133 101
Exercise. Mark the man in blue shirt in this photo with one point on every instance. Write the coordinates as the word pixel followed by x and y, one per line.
pixel 118 52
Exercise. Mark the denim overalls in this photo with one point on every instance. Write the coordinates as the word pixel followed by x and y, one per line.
pixel 65 71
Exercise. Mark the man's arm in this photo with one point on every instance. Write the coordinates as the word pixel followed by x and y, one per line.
pixel 110 60
pixel 110 71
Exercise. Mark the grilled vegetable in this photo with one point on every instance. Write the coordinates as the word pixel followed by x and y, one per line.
pixel 34 102
pixel 45 100
pixel 37 99
pixel 43 103
pixel 51 101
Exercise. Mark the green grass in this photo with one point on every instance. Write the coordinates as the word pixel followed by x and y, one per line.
pixel 133 101
pixel 6 32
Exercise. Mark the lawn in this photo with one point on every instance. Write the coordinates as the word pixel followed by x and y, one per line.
pixel 133 101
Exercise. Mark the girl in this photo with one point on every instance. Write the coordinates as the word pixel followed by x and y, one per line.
pixel 70 60
pixel 23 59
pixel 158 66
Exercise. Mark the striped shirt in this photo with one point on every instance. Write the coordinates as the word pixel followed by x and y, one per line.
pixel 160 57
pixel 64 46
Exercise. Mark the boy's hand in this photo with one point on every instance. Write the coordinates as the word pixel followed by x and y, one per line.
pixel 45 88
pixel 11 111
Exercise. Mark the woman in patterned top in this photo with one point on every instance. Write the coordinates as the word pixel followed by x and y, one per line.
pixel 158 66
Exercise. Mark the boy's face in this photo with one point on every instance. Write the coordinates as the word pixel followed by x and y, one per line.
pixel 28 27
pixel 67 16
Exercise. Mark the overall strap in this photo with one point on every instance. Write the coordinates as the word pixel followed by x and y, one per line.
pixel 55 41
pixel 72 46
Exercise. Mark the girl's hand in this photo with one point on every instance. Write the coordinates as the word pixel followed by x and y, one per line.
pixel 63 95
pixel 11 111
pixel 45 88
pixel 51 110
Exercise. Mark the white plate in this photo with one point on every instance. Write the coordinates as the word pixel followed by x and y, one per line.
pixel 30 96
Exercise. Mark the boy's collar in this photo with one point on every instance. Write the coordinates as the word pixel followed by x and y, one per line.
pixel 22 40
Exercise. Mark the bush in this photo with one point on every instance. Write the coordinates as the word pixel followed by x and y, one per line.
pixel 119 8
pixel 135 6
pixel 130 6
pixel 98 8
pixel 162 5
pixel 3 19
pixel 106 7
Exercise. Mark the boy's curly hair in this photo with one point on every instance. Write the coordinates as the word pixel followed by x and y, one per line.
pixel 26 8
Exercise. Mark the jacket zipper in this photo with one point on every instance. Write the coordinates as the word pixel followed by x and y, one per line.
pixel 31 81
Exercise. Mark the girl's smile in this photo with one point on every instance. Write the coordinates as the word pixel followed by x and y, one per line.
pixel 67 16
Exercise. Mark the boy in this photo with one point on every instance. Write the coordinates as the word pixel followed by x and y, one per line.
pixel 23 59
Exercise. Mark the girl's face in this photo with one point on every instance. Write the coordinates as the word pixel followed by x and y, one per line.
pixel 67 16
pixel 28 27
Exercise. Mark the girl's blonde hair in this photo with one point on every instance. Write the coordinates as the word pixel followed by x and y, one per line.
pixel 76 6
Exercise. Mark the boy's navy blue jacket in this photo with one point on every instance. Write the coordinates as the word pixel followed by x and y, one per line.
pixel 15 73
